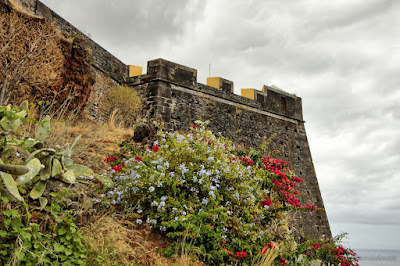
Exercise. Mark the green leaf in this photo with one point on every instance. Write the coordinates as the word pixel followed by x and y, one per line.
pixel 58 247
pixel 61 231
pixel 24 105
pixel 34 167
pixel 29 143
pixel 5 124
pixel 105 180
pixel 3 252
pixel 3 233
pixel 21 256
pixel 5 200
pixel 43 202
pixel 67 151
pixel 38 189
pixel 14 169
pixel 6 194
pixel 33 154
pixel 11 186
pixel 26 236
pixel 80 170
pixel 56 168
pixel 75 141
pixel 68 252
pixel 16 224
pixel 45 173
pixel 68 177
pixel 43 129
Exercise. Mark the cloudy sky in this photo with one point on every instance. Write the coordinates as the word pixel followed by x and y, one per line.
pixel 342 57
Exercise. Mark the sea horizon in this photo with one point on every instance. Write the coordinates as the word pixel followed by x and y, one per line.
pixel 374 257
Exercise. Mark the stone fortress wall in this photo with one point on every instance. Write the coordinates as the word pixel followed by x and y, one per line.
pixel 172 93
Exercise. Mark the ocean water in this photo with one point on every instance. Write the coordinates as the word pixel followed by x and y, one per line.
pixel 375 257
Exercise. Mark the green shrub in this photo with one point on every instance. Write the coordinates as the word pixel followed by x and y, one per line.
pixel 194 187
pixel 124 104
pixel 23 240
pixel 224 203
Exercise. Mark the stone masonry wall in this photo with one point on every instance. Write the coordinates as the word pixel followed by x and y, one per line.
pixel 173 94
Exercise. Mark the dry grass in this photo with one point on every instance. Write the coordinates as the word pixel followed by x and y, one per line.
pixel 30 55
pixel 266 259
pixel 119 242
pixel 98 140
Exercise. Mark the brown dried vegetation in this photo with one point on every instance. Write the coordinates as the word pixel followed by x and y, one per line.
pixel 30 55
pixel 38 63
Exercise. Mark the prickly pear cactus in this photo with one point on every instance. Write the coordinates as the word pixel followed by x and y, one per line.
pixel 42 164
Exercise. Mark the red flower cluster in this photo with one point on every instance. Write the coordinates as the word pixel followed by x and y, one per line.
pixel 274 163
pixel 342 254
pixel 285 184
pixel 316 246
pixel 229 252
pixel 266 203
pixel 138 159
pixel 110 159
pixel 283 261
pixel 117 168
pixel 155 148
pixel 340 251
pixel 265 248
pixel 311 207
pixel 241 254
pixel 297 179
pixel 247 160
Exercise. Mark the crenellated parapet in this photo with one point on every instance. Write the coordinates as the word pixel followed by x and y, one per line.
pixel 270 99
pixel 277 101
pixel 170 71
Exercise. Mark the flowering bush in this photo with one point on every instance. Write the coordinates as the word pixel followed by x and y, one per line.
pixel 199 188
pixel 322 252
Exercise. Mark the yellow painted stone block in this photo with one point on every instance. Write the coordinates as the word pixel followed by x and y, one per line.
pixel 214 82
pixel 248 93
pixel 135 71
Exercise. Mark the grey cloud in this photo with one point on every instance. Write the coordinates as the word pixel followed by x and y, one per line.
pixel 133 21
